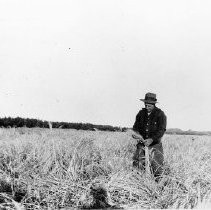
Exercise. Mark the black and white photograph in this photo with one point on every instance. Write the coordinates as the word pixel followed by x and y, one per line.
pixel 105 104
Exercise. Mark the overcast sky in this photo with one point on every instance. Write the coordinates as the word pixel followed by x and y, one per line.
pixel 92 60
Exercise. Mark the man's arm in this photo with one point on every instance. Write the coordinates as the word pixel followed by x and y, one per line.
pixel 162 121
pixel 136 125
pixel 136 129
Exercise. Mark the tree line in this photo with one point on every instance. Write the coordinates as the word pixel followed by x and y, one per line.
pixel 9 122
pixel 178 131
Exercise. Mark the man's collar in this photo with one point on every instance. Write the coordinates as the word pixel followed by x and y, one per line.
pixel 155 108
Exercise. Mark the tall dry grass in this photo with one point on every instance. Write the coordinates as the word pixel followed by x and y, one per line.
pixel 56 168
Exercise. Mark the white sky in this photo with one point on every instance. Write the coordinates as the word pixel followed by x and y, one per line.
pixel 92 60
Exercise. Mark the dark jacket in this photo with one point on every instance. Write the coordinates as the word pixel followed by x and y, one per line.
pixel 152 126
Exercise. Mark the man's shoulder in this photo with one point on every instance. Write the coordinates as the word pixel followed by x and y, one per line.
pixel 142 112
pixel 159 111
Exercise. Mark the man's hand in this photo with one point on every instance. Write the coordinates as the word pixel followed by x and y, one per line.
pixel 147 142
pixel 135 134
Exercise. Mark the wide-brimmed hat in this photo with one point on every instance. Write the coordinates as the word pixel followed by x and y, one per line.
pixel 150 98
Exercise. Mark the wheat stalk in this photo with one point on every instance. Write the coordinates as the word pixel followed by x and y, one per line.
pixel 147 162
pixel 50 125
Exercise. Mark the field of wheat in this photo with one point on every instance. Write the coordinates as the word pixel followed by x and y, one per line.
pixel 54 169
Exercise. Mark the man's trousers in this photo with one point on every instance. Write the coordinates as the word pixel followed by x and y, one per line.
pixel 155 157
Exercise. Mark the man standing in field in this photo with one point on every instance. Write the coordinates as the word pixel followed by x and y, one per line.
pixel 150 126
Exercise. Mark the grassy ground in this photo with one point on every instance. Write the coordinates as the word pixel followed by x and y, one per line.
pixel 54 169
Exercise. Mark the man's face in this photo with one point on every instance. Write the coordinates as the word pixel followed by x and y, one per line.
pixel 149 107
